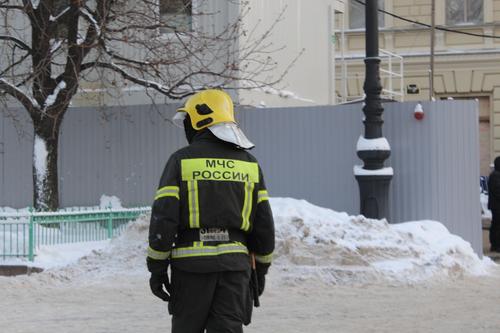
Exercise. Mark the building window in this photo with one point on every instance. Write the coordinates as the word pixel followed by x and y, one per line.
pixel 357 14
pixel 464 12
pixel 177 15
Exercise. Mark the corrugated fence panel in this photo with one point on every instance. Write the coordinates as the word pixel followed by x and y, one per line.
pixel 17 145
pixel 436 166
pixel 305 153
pixel 118 151
pixel 2 152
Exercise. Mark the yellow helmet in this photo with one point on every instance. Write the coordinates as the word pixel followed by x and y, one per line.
pixel 209 107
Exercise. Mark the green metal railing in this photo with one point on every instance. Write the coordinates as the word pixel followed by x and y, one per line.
pixel 22 233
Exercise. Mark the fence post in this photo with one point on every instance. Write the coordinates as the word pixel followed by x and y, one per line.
pixel 110 224
pixel 31 237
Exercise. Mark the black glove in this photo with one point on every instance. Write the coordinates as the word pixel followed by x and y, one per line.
pixel 160 286
pixel 159 282
pixel 261 275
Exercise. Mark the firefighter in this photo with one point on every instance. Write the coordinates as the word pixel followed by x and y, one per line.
pixel 210 214
pixel 494 206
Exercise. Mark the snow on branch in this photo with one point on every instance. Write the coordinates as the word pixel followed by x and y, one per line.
pixel 58 16
pixel 92 19
pixel 21 96
pixel 121 58
pixel 55 45
pixel 174 91
pixel 284 94
pixel 52 98
pixel 146 83
pixel 35 3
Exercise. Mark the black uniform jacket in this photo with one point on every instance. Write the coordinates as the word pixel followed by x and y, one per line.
pixel 211 209
pixel 494 190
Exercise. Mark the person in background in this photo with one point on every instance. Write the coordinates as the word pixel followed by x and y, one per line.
pixel 494 205
pixel 210 215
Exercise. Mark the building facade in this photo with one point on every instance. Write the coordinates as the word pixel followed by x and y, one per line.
pixel 466 56
pixel 299 39
pixel 304 39
pixel 293 36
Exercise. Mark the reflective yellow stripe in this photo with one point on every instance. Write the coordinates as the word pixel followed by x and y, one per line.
pixel 204 250
pixel 247 206
pixel 194 211
pixel 220 170
pixel 267 259
pixel 158 255
pixel 167 191
pixel 262 196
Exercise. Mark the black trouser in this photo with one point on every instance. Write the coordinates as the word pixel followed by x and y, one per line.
pixel 218 302
pixel 495 229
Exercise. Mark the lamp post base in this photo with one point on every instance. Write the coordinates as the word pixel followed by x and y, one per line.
pixel 374 196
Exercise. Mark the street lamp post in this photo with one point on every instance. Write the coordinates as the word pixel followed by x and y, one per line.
pixel 373 178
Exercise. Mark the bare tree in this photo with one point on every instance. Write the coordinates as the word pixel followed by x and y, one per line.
pixel 51 48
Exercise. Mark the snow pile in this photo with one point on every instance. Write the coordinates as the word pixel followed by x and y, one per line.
pixel 110 202
pixel 311 243
pixel 92 262
pixel 318 243
pixel 61 255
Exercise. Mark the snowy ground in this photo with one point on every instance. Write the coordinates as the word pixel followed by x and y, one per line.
pixel 124 305
pixel 332 273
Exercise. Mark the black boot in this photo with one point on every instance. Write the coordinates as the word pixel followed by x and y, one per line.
pixel 495 249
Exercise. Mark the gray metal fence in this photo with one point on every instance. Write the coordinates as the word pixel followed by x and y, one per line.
pixel 305 153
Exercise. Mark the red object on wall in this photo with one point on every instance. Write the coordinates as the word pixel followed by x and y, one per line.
pixel 418 113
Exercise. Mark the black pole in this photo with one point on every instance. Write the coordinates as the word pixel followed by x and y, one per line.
pixel 373 149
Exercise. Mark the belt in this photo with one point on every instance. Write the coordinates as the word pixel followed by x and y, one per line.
pixel 211 235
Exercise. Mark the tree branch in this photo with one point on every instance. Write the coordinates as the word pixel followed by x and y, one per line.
pixel 4 4
pixel 29 103
pixel 125 75
pixel 11 7
pixel 22 45
pixel 94 28
pixel 14 64
pixel 115 55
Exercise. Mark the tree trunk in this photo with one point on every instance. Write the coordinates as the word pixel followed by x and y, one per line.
pixel 45 178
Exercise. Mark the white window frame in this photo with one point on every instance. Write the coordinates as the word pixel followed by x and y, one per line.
pixel 164 31
pixel 465 21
